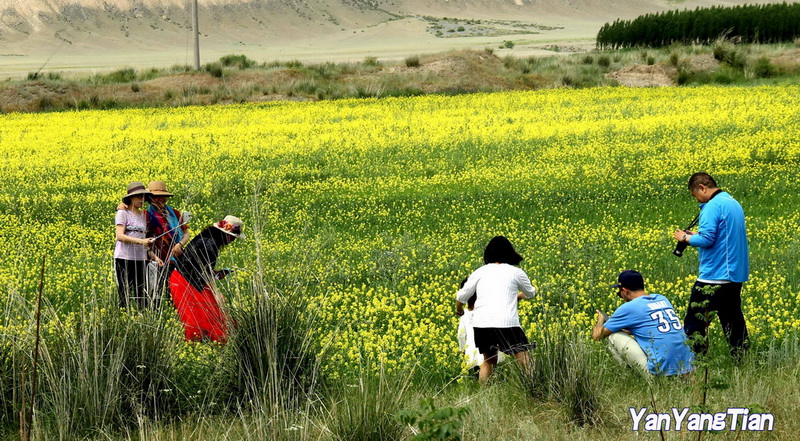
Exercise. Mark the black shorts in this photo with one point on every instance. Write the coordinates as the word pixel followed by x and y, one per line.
pixel 508 340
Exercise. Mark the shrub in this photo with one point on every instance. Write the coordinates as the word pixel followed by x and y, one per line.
pixel 54 76
pixel 763 68
pixel 508 44
pixel 371 61
pixel 412 61
pixel 120 76
pixel 45 103
pixel 135 87
pixel 214 69
pixel 588 59
pixel 604 61
pixel 240 61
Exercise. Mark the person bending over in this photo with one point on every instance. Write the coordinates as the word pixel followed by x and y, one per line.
pixel 495 318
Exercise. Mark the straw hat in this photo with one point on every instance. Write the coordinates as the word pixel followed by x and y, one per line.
pixel 159 188
pixel 231 225
pixel 135 189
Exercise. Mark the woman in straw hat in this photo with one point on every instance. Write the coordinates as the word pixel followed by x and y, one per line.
pixel 192 282
pixel 131 249
pixel 171 233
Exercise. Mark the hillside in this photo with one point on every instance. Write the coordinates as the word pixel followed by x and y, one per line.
pixel 94 35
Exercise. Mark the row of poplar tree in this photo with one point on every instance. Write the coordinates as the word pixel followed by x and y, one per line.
pixel 766 23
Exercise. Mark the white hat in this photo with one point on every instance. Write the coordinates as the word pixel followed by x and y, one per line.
pixel 231 225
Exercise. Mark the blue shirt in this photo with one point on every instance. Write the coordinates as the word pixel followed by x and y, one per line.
pixel 659 332
pixel 721 240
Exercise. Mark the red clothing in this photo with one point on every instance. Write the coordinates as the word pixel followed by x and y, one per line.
pixel 198 310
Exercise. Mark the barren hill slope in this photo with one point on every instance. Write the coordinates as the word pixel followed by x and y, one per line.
pixel 105 34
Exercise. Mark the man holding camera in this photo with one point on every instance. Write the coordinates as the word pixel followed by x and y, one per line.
pixel 644 332
pixel 721 242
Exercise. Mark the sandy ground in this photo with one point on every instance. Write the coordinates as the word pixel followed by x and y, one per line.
pixel 92 40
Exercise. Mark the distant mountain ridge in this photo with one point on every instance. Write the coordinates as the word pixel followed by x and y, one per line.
pixel 22 19
pixel 158 31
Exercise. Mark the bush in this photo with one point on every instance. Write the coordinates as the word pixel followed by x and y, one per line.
pixel 508 44
pixel 214 69
pixel 240 61
pixel 588 59
pixel 120 76
pixel 371 61
pixel 763 68
pixel 412 61
pixel 604 61
pixel 726 52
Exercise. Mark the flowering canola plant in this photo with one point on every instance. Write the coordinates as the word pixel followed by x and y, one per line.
pixel 379 208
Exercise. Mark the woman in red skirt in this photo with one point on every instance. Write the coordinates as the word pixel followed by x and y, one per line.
pixel 192 282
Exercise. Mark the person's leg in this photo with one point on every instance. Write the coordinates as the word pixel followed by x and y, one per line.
pixel 121 273
pixel 487 367
pixel 627 351
pixel 139 270
pixel 524 360
pixel 728 302
pixel 695 324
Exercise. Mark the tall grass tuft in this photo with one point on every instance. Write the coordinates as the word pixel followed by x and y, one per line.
pixel 366 406
pixel 562 371
pixel 273 349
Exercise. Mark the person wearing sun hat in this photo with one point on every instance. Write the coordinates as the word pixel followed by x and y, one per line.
pixel 131 248
pixel 192 282
pixel 171 233
pixel 644 332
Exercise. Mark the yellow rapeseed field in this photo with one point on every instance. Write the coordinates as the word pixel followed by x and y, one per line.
pixel 378 208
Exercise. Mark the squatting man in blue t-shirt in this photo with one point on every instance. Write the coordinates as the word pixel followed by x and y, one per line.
pixel 644 332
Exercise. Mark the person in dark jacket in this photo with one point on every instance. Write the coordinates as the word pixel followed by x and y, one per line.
pixel 192 286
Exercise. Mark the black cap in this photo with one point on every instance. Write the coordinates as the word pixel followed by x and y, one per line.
pixel 630 279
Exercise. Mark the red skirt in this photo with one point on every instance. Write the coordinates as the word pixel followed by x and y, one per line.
pixel 199 311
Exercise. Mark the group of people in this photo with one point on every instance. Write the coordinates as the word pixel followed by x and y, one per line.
pixel 155 260
pixel 644 333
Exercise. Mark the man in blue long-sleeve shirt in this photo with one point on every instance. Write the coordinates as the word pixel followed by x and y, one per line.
pixel 721 242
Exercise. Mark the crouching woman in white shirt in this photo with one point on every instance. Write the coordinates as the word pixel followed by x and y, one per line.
pixel 499 284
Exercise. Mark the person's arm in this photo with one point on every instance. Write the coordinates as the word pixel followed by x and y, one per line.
pixel 599 331
pixel 466 291
pixel 524 283
pixel 459 308
pixel 124 238
pixel 707 229
pixel 177 250
pixel 179 247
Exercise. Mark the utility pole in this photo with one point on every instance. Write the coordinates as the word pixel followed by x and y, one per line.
pixel 196 28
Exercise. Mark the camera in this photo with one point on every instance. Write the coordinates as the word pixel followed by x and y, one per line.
pixel 680 247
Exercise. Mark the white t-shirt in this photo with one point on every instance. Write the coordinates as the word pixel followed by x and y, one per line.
pixel 135 226
pixel 497 285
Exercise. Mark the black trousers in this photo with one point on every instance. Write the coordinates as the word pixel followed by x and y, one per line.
pixel 131 282
pixel 726 300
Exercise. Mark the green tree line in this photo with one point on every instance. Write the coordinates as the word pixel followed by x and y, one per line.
pixel 767 23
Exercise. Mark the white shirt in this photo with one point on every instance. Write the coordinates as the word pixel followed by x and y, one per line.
pixel 497 285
